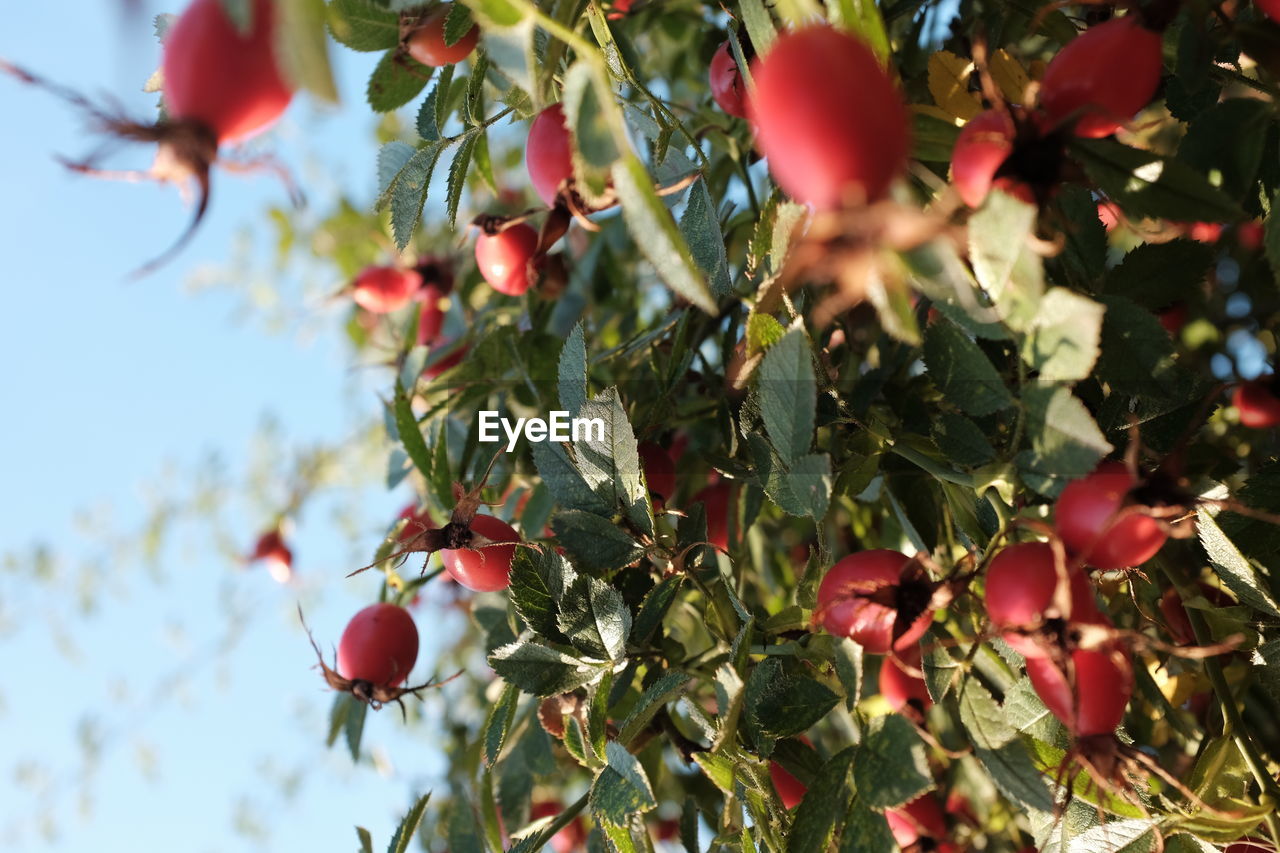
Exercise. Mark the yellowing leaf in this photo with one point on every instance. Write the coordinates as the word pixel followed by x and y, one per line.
pixel 1009 75
pixel 949 84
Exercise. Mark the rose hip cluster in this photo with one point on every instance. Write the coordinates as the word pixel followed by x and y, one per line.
pixel 1091 88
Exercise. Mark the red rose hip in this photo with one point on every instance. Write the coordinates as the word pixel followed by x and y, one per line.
pixel 1100 79
pixel 221 78
pixel 983 145
pixel 379 646
pixel 1091 519
pixel 487 568
pixel 382 290
pixel 828 118
pixel 1256 404
pixel 548 153
pixel 727 86
pixel 504 258
pixel 427 43
pixel 864 595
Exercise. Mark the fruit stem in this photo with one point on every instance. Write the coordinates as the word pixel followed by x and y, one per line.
pixel 1232 723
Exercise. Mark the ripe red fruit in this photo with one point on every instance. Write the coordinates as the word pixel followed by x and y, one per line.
pixel 1092 697
pixel 381 290
pixel 920 818
pixel 1020 585
pixel 715 499
pixel 1256 404
pixel 485 569
pixel 1250 235
pixel 727 86
pixel 548 153
pixel 983 145
pixel 427 44
pixel 454 353
pixel 1109 214
pixel 902 689
pixel 430 316
pixel 659 471
pixel 419 521
pixel 226 81
pixel 1173 318
pixel 503 258
pixel 828 117
pixel 1089 520
pixel 275 554
pixel 790 789
pixel 864 596
pixel 1099 80
pixel 379 646
pixel 572 837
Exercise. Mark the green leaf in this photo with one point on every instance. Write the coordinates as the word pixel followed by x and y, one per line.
pixel 1146 184
pixel 890 767
pixel 932 137
pixel 701 230
pixel 360 25
pixel 588 111
pixel 962 372
pixel 866 831
pixel 571 371
pixel 610 463
pixel 862 18
pixel 392 158
pixel 962 441
pixel 408 826
pixel 353 727
pixel 429 119
pixel 655 234
pixel 1062 342
pixel 458 24
pixel 1233 567
pixel 458 178
pixel 508 39
pixel 396 81
pixel 302 47
pixel 562 479
pixel 1065 440
pixel 366 840
pixel 1157 274
pixel 593 542
pixel 803 488
pixel 540 670
pixel 1004 262
pixel 498 723
pixel 763 331
pixel 999 747
pixel 1138 354
pixel 539 578
pixel 760 27
pixel 1226 143
pixel 655 696
pixel 788 394
pixel 410 434
pixel 828 796
pixel 622 789
pixel 406 193
pixel 654 608
pixel 847 659
pixel 595 619
pixel 780 704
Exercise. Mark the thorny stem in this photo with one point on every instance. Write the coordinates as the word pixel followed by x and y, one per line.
pixel 1232 724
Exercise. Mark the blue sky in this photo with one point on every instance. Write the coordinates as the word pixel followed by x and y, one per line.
pixel 118 392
